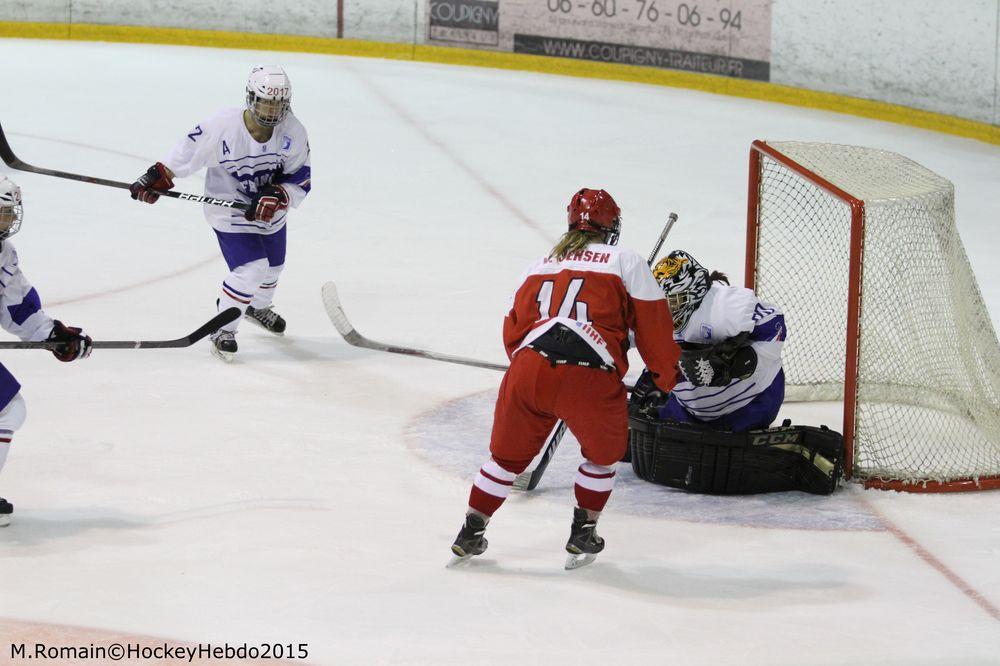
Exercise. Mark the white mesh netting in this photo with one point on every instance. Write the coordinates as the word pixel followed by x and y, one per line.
pixel 929 362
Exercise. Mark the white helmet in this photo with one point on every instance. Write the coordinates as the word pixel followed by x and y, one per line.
pixel 269 94
pixel 11 211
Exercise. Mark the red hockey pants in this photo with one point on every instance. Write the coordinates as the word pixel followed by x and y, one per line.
pixel 534 395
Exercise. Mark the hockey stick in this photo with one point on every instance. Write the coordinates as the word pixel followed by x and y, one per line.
pixel 528 480
pixel 12 160
pixel 209 327
pixel 671 219
pixel 334 310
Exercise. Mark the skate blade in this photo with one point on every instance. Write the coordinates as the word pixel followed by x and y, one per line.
pixel 4 521
pixel 225 356
pixel 576 561
pixel 458 557
pixel 457 560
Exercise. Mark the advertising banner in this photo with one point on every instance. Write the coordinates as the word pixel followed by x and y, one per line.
pixel 723 37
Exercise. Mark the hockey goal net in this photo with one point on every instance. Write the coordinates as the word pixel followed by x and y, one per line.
pixel 859 249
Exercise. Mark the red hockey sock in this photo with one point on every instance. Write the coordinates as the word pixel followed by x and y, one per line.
pixel 492 485
pixel 593 486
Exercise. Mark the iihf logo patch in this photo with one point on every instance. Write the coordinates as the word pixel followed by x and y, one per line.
pixel 706 331
pixel 286 142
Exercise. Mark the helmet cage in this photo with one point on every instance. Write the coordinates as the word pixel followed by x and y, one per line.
pixel 684 282
pixel 611 235
pixel 267 111
pixel 11 209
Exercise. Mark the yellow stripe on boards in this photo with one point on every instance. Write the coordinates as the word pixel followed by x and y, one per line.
pixel 768 92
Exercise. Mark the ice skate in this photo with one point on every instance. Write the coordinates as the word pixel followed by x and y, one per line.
pixel 6 511
pixel 224 345
pixel 584 544
pixel 470 540
pixel 267 319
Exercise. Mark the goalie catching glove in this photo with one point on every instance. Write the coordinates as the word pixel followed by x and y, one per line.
pixel 265 204
pixel 157 177
pixel 71 342
pixel 718 365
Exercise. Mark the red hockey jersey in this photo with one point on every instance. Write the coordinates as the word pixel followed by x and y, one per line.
pixel 600 293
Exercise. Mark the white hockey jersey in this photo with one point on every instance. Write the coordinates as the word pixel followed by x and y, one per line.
pixel 238 166
pixel 724 313
pixel 20 306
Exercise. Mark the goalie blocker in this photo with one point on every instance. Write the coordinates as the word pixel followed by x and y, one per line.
pixel 701 460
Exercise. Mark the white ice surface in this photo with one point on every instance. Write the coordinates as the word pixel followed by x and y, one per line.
pixel 296 496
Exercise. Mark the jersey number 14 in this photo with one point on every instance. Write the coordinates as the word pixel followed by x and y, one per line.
pixel 570 307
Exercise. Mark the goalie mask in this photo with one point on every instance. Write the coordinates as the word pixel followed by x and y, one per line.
pixel 11 210
pixel 684 282
pixel 269 94
pixel 595 211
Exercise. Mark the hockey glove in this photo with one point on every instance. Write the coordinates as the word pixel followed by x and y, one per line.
pixel 744 362
pixel 265 204
pixel 646 398
pixel 156 177
pixel 718 365
pixel 72 342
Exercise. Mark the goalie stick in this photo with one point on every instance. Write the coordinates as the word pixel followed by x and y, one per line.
pixel 528 480
pixel 209 327
pixel 334 310
pixel 14 162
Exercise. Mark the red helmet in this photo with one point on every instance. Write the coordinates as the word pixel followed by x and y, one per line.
pixel 595 210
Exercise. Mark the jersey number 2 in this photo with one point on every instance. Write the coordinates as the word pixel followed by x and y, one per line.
pixel 568 304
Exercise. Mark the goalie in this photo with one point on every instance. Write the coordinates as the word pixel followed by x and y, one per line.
pixel 711 432
pixel 730 368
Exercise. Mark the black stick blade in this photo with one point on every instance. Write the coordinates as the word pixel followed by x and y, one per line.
pixel 209 327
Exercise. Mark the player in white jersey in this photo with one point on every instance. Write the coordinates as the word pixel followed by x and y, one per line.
pixel 259 155
pixel 21 314
pixel 731 375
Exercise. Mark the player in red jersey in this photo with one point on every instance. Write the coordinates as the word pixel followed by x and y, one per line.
pixel 567 334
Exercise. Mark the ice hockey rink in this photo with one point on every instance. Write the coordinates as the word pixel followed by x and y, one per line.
pixel 309 491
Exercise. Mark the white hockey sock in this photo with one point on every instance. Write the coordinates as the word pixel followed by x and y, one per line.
pixel 5 436
pixel 264 293
pixel 11 418
pixel 239 287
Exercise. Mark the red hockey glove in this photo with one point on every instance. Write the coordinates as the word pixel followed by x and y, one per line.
pixel 72 342
pixel 156 177
pixel 265 204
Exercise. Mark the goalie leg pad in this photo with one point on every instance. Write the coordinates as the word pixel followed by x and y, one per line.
pixel 700 460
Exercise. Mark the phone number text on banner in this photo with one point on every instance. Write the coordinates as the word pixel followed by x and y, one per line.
pixel 723 37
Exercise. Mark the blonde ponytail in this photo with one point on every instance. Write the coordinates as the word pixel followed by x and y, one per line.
pixel 574 241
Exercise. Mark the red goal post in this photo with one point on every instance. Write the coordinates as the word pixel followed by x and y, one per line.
pixel 859 248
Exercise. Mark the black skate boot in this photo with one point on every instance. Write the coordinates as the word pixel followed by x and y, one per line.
pixel 267 319
pixel 224 345
pixel 6 511
pixel 470 540
pixel 584 544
